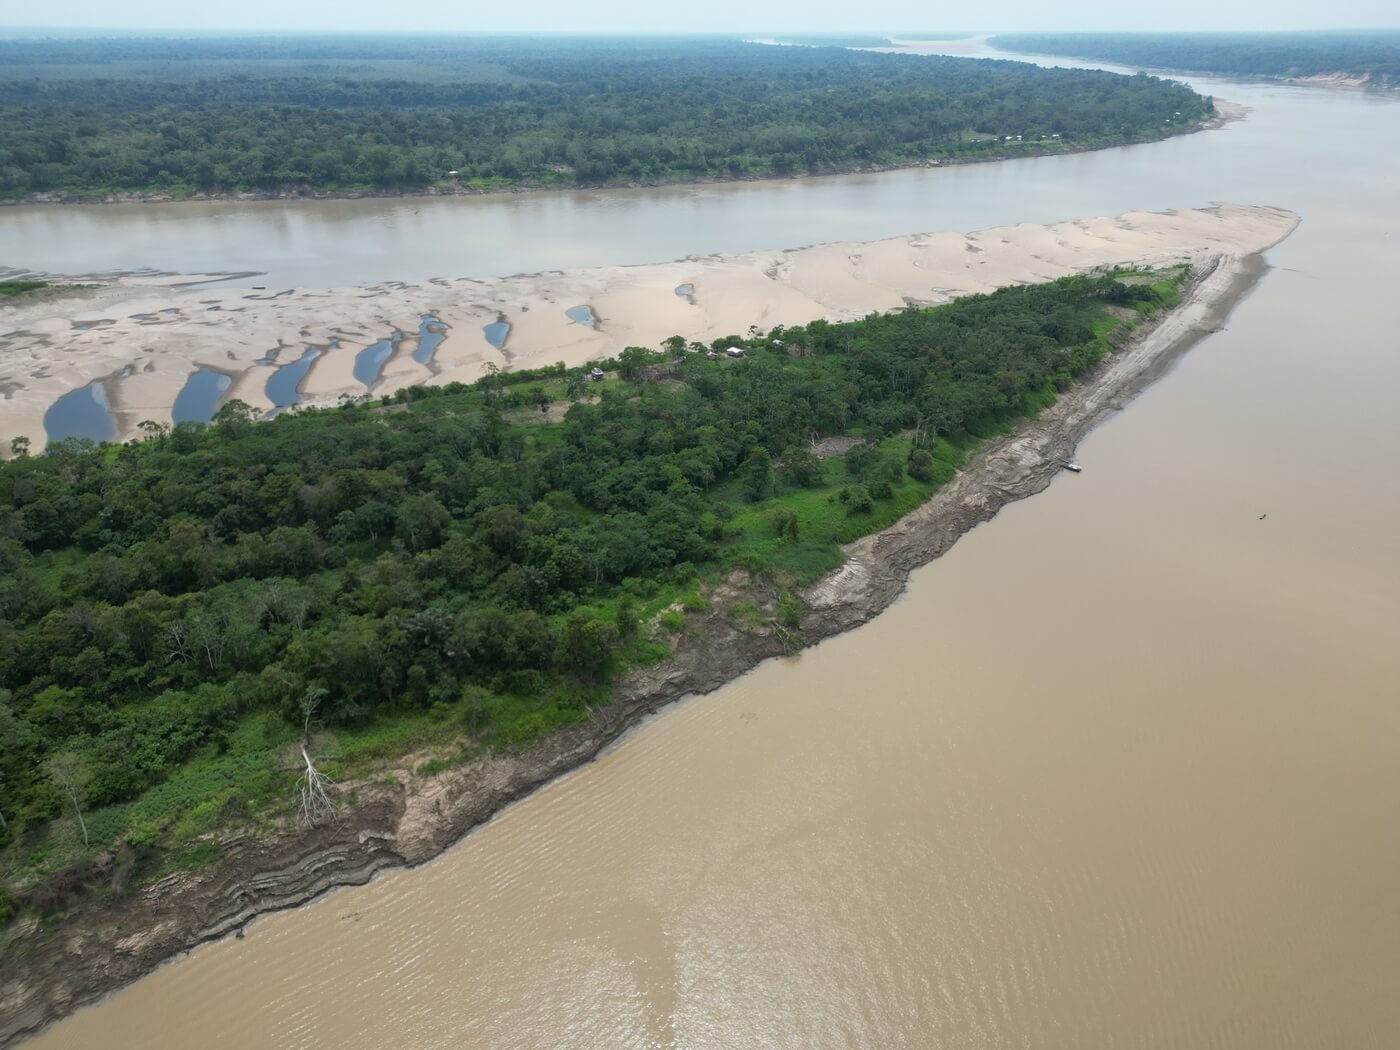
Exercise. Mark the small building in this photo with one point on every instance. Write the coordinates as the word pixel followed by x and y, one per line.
pixel 596 375
pixel 734 351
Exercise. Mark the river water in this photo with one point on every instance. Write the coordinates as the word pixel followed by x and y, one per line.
pixel 1302 147
pixel 1118 771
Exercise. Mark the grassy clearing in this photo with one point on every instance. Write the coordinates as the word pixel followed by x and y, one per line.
pixel 824 521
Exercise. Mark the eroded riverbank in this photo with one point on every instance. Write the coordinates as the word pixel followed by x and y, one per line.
pixel 414 819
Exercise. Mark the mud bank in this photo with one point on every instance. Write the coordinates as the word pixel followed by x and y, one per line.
pixel 401 819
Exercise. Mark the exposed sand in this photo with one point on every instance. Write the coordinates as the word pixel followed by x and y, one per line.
pixel 155 331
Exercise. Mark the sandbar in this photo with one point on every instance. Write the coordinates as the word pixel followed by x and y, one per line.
pixel 144 335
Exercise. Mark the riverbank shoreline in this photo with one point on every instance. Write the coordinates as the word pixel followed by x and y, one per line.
pixel 1226 113
pixel 417 818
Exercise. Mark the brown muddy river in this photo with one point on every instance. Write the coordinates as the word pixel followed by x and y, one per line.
pixel 1119 771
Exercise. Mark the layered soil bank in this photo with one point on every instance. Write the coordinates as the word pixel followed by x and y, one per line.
pixel 142 335
pixel 401 819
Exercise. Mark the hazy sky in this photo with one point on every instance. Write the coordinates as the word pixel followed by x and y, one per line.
pixel 708 15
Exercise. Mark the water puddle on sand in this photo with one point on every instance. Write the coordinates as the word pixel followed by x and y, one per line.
pixel 497 333
pixel 583 315
pixel 81 413
pixel 199 398
pixel 370 362
pixel 284 386
pixel 431 333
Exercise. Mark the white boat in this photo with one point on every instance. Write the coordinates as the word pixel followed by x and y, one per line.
pixel 1074 467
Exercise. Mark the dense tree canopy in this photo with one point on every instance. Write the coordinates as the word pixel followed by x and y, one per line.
pixel 1375 52
pixel 447 549
pixel 339 113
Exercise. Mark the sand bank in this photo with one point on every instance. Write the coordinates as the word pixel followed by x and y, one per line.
pixel 143 335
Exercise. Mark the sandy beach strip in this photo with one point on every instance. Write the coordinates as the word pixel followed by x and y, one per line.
pixel 143 336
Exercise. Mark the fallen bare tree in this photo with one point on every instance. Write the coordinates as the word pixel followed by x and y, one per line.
pixel 316 803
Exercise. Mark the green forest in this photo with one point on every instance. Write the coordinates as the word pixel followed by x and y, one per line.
pixel 449 564
pixel 1374 52
pixel 89 117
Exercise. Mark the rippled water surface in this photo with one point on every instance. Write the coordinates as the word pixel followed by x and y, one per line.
pixel 1117 772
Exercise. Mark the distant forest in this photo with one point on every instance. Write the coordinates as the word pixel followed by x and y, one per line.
pixel 1260 54
pixel 88 117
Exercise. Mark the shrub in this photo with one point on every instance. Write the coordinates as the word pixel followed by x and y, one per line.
pixel 802 467
pixel 790 610
pixel 860 459
pixel 626 617
pixel 921 465
pixel 857 498
pixel 785 523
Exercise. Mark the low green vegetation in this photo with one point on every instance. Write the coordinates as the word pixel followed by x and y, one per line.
pixel 1374 53
pixel 439 574
pixel 11 289
pixel 89 117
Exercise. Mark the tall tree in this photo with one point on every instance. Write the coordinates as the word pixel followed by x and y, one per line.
pixel 70 772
